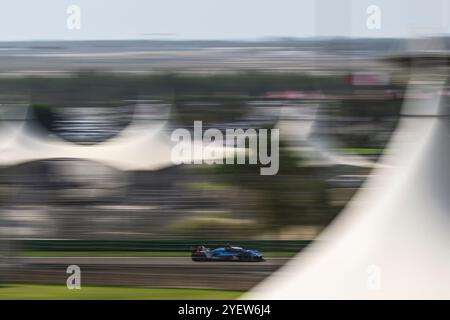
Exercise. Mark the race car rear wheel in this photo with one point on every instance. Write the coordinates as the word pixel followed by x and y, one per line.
pixel 245 258
pixel 199 259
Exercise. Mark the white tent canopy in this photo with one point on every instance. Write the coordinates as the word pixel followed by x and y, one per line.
pixel 142 145
pixel 139 146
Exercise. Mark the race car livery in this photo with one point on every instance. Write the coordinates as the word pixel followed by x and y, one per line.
pixel 227 253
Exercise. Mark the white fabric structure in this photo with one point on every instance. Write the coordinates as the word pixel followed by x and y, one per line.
pixel 142 145
pixel 393 239
pixel 134 148
pixel 296 129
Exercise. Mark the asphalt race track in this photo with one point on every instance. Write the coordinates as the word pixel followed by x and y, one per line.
pixel 146 271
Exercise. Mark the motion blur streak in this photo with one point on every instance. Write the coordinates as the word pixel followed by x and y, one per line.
pixel 87 177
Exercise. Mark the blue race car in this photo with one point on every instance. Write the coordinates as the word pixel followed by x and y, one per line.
pixel 226 253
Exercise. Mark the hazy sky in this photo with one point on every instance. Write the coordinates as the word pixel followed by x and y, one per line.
pixel 218 19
